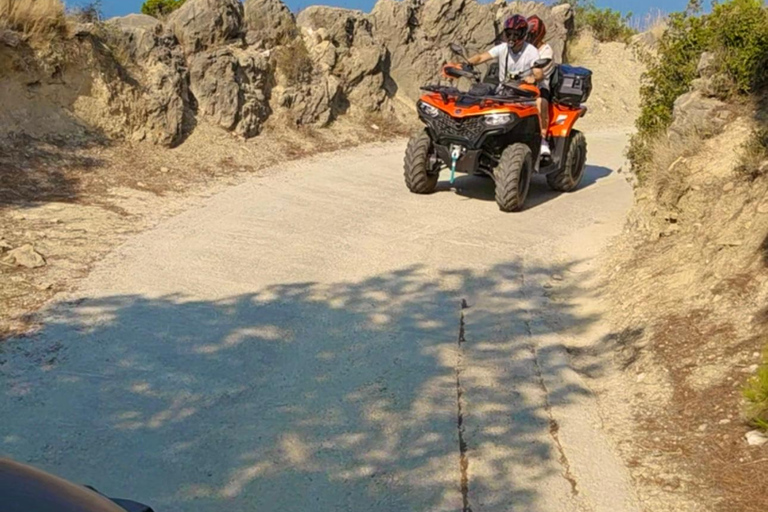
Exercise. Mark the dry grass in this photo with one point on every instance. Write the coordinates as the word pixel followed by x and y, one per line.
pixel 33 17
pixel 754 153
pixel 581 47
pixel 293 61
pixel 665 173
pixel 654 21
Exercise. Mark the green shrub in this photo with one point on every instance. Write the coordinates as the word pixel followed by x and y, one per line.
pixel 754 152
pixel 736 32
pixel 669 73
pixel 756 395
pixel 606 24
pixel 739 38
pixel 160 8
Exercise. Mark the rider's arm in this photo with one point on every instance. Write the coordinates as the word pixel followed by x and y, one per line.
pixel 481 58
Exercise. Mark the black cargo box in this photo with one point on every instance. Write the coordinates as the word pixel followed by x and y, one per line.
pixel 571 85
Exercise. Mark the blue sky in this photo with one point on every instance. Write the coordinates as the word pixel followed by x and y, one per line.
pixel 638 7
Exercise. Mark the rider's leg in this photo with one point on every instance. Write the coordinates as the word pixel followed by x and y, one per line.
pixel 543 105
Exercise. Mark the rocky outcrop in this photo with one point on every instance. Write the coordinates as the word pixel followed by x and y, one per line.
pixel 203 24
pixel 343 44
pixel 164 103
pixel 235 64
pixel 700 111
pixel 316 103
pixel 138 34
pixel 417 35
pixel 232 88
pixel 269 23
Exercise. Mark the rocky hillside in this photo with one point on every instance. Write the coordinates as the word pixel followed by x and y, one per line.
pixel 241 66
pixel 688 282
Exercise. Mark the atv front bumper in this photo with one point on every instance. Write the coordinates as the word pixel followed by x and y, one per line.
pixel 468 162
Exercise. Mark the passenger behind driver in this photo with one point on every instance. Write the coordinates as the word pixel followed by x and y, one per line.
pixel 515 55
pixel 536 33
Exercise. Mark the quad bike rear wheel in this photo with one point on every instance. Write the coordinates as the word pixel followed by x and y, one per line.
pixel 569 177
pixel 420 174
pixel 513 177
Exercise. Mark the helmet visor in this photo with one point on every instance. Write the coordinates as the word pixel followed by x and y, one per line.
pixel 514 35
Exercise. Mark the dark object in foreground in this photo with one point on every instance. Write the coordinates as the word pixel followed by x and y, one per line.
pixel 26 489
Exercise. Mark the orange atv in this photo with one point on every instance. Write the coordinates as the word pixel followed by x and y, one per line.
pixel 494 131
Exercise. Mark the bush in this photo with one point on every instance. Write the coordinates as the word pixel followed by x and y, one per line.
pixel 606 24
pixel 739 37
pixel 88 13
pixel 756 395
pixel 736 32
pixel 754 152
pixel 160 8
pixel 293 61
pixel 33 17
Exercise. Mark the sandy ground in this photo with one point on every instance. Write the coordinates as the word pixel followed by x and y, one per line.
pixel 76 199
pixel 319 339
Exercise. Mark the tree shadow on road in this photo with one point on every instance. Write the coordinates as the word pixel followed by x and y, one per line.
pixel 297 397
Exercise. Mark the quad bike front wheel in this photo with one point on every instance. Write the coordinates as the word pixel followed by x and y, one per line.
pixel 420 174
pixel 513 177
pixel 569 177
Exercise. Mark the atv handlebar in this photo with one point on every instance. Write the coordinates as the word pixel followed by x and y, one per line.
pixel 452 70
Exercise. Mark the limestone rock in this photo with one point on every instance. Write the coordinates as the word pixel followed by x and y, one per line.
pixel 9 38
pixel 695 112
pixel 707 65
pixel 756 438
pixel 342 41
pixel 138 34
pixel 232 88
pixel 316 103
pixel 203 24
pixel 164 102
pixel 24 256
pixel 269 22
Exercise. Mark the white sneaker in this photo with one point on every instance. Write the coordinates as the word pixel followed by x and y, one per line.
pixel 545 148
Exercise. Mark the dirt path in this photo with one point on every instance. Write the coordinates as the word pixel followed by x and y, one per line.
pixel 319 339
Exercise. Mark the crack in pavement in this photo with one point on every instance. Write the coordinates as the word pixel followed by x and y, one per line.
pixel 463 455
pixel 554 426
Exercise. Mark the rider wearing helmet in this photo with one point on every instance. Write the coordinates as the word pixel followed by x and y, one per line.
pixel 536 33
pixel 515 54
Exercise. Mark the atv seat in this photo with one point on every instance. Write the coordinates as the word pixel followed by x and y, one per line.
pixel 518 91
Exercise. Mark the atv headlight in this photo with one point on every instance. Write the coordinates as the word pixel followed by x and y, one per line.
pixel 428 109
pixel 497 119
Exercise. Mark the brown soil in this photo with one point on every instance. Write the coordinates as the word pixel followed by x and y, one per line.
pixel 688 283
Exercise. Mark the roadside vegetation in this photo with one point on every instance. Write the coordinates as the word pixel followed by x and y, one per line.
pixel 735 33
pixel 606 24
pixel 160 8
pixel 756 395
pixel 33 17
pixel 293 60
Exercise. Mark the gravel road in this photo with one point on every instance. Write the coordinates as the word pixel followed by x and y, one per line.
pixel 320 339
